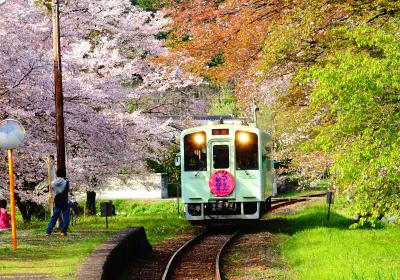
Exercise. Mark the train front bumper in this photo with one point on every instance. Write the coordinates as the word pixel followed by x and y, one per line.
pixel 223 210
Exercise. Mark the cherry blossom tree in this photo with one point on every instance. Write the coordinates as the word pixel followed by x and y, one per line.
pixel 106 46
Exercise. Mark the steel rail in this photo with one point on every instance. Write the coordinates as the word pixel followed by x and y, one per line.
pixel 168 269
pixel 281 202
pixel 279 199
pixel 287 202
pixel 217 259
pixel 176 257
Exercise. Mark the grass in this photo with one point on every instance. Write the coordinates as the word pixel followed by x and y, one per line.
pixel 318 249
pixel 304 245
pixel 61 257
pixel 336 254
pixel 263 261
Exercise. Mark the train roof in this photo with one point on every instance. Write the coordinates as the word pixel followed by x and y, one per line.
pixel 228 125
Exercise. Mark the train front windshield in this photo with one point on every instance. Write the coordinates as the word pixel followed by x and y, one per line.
pixel 246 144
pixel 195 152
pixel 220 156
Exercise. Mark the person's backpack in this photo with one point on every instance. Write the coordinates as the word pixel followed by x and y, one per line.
pixel 59 198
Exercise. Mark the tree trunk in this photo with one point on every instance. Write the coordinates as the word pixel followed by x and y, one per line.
pixel 24 209
pixel 29 209
pixel 90 203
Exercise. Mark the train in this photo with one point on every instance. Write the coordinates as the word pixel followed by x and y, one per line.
pixel 227 171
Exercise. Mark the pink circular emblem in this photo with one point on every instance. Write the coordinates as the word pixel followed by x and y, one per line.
pixel 221 183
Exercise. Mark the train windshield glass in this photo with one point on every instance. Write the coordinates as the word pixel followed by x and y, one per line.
pixel 195 152
pixel 220 156
pixel 246 144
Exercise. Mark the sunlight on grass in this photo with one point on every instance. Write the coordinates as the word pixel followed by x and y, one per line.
pixel 320 249
pixel 62 257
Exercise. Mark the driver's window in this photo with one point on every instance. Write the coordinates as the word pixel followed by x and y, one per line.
pixel 195 152
pixel 221 156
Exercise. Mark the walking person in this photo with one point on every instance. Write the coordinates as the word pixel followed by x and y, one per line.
pixel 60 188
pixel 4 217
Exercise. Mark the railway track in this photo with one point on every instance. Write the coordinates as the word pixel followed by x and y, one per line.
pixel 199 258
pixel 281 202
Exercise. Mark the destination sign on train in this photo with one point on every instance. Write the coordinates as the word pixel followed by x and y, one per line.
pixel 220 132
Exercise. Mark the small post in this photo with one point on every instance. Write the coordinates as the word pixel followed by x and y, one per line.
pixel 329 200
pixel 50 172
pixel 177 163
pixel 177 197
pixel 12 201
pixel 106 209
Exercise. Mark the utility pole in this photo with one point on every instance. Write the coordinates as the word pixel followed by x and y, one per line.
pixel 60 143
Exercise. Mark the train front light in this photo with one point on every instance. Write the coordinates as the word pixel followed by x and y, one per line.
pixel 199 139
pixel 243 137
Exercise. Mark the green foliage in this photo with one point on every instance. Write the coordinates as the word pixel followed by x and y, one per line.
pixel 358 86
pixel 292 38
pixel 126 207
pixel 133 52
pixel 162 35
pixel 132 105
pixel 265 119
pixel 224 104
pixel 133 82
pixel 147 5
pixel 344 98
pixel 94 38
pixel 217 60
pixel 166 164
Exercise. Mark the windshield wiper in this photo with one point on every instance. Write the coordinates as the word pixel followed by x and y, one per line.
pixel 200 169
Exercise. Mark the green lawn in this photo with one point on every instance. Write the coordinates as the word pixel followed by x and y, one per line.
pixel 313 248
pixel 61 257
pixel 317 249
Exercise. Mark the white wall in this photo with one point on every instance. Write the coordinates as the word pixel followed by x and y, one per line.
pixel 134 186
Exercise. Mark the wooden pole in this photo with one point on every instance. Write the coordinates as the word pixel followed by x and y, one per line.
pixel 50 162
pixel 12 201
pixel 58 89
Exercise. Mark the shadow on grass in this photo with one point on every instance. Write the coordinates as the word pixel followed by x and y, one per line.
pixel 309 218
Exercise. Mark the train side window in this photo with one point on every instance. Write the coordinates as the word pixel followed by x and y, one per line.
pixel 195 152
pixel 246 144
pixel 221 156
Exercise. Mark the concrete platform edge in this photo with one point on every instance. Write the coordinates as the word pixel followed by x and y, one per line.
pixel 109 259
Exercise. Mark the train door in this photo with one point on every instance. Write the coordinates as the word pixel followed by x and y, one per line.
pixel 221 157
pixel 222 181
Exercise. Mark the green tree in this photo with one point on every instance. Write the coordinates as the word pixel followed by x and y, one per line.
pixel 224 103
pixel 147 5
pixel 166 164
pixel 342 108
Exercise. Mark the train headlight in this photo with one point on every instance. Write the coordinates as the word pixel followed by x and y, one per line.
pixel 199 139
pixel 244 137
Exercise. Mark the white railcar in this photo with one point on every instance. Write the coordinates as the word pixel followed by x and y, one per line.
pixel 226 172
